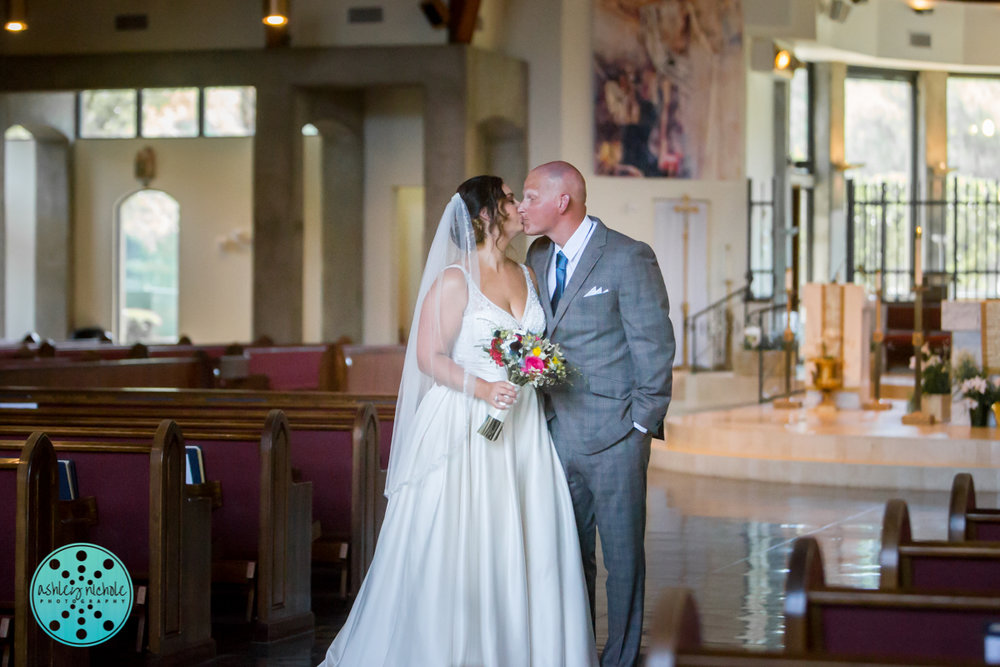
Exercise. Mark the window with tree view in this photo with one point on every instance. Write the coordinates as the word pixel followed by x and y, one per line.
pixel 148 271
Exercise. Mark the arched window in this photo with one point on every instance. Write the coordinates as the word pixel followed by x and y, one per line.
pixel 148 271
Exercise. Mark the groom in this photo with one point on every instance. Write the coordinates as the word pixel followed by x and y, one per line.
pixel 606 306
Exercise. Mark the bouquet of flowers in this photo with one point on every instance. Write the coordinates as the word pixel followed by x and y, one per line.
pixel 528 359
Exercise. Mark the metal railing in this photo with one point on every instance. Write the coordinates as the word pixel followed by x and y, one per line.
pixel 711 332
pixel 961 232
pixel 770 351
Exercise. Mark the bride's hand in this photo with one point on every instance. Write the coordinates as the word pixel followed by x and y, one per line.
pixel 500 394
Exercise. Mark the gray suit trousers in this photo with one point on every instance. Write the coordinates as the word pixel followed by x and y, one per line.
pixel 609 497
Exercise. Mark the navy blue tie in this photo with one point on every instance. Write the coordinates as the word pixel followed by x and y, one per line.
pixel 560 279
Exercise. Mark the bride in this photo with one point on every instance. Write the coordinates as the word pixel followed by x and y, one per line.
pixel 478 562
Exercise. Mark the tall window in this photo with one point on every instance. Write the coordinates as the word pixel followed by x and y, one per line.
pixel 148 271
pixel 799 117
pixel 970 226
pixel 974 126
pixel 878 127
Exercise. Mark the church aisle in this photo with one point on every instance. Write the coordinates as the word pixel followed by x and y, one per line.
pixel 727 540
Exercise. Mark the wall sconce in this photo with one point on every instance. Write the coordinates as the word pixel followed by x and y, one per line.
pixel 16 19
pixel 785 62
pixel 922 6
pixel 275 13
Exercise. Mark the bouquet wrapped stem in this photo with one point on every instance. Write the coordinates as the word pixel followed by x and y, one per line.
pixel 528 359
pixel 493 423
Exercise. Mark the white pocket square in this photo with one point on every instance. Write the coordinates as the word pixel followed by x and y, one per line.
pixel 595 290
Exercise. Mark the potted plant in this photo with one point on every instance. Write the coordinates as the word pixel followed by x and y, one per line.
pixel 978 392
pixel 935 382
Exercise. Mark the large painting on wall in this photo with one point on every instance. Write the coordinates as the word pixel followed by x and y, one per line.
pixel 669 88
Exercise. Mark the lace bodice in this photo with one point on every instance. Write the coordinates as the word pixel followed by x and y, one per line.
pixel 481 318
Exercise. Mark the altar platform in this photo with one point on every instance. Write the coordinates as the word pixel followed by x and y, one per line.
pixel 848 448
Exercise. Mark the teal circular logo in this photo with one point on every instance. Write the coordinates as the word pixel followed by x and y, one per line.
pixel 81 594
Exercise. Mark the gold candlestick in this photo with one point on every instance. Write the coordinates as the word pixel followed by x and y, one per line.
pixel 685 208
pixel 918 416
pixel 787 403
pixel 878 337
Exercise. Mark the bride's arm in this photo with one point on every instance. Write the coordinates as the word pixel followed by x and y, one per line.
pixel 440 322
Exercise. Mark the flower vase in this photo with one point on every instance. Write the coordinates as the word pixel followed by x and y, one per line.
pixel 938 405
pixel 979 415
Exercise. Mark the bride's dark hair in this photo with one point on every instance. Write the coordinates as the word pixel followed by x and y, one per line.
pixel 484 192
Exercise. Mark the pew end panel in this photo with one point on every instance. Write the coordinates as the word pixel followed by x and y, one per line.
pixel 967 521
pixel 284 597
pixel 934 566
pixel 31 521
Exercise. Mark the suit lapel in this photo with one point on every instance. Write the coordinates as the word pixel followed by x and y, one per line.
pixel 592 253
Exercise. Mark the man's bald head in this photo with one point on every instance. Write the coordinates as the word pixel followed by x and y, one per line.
pixel 566 175
pixel 555 201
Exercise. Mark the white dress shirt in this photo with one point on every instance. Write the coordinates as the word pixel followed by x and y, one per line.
pixel 573 250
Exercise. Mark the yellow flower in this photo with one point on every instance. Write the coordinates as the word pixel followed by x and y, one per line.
pixel 537 351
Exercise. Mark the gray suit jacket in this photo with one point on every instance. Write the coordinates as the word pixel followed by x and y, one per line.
pixel 612 322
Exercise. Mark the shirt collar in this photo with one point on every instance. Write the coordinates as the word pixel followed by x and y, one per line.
pixel 578 240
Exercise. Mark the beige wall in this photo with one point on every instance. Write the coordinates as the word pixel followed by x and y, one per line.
pixel 394 156
pixel 210 178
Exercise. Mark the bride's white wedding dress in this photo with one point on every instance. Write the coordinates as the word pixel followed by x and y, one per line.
pixel 478 562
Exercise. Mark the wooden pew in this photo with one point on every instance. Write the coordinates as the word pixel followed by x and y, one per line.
pixel 300 407
pixel 29 491
pixel 368 369
pixel 834 621
pixel 293 367
pixel 162 372
pixel 675 641
pixel 336 447
pixel 147 520
pixel 265 521
pixel 967 521
pixel 934 566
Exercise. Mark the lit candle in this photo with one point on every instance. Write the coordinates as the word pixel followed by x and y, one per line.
pixel 788 280
pixel 918 269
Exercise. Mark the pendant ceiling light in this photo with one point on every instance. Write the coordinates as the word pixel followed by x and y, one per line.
pixel 275 12
pixel 16 19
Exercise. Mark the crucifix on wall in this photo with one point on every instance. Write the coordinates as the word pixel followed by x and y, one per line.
pixel 682 250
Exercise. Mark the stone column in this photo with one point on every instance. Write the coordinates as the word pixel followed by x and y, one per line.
pixel 277 224
pixel 53 258
pixel 830 231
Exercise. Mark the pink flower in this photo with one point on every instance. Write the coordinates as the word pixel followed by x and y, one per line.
pixel 534 364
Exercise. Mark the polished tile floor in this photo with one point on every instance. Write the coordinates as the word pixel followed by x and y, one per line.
pixel 726 540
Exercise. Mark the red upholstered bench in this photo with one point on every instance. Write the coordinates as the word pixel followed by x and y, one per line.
pixel 147 520
pixel 900 319
pixel 675 639
pixel 934 566
pixel 294 367
pixel 849 622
